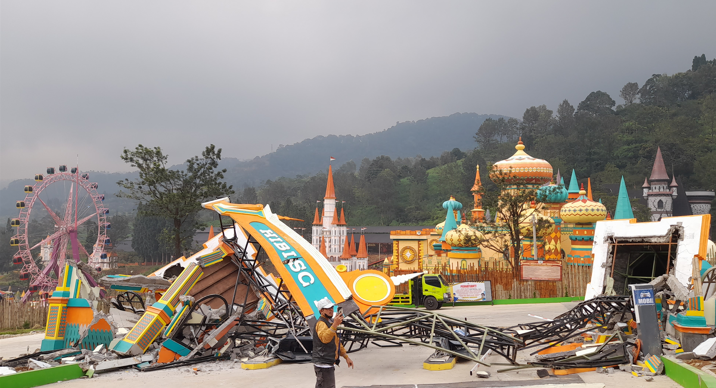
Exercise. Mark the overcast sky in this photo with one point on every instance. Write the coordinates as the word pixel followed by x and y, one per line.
pixel 94 77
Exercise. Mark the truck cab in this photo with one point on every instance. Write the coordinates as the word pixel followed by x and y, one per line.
pixel 428 290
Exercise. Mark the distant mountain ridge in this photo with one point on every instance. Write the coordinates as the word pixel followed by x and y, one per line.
pixel 427 137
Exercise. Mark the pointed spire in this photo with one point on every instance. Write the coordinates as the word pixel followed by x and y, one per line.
pixel 589 189
pixel 353 246
pixel 316 220
pixel 646 184
pixel 559 178
pixel 658 172
pixel 346 251
pixel 330 191
pixel 343 217
pixel 362 249
pixel 478 183
pixel 573 184
pixel 623 211
pixel 323 247
pixel 211 233
pixel 673 182
pixel 336 219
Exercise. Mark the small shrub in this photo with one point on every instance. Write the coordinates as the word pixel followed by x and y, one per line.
pixel 26 325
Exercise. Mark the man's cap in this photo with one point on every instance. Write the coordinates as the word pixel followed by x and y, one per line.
pixel 324 303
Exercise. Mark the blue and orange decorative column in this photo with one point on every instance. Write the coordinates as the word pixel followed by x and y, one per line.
pixel 69 316
pixel 150 326
pixel 583 213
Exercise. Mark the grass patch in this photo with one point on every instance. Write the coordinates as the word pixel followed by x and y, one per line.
pixel 21 331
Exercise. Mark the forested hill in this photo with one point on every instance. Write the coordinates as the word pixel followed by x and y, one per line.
pixel 597 137
pixel 427 138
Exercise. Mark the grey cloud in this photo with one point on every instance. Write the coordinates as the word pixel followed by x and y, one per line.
pixel 89 78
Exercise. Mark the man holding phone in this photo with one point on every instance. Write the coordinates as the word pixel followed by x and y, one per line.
pixel 327 346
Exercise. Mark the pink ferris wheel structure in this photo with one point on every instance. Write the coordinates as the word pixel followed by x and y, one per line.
pixel 44 260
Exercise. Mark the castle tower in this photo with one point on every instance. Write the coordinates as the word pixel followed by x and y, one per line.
pixel 583 213
pixel 362 255
pixel 330 232
pixel 316 230
pixel 659 194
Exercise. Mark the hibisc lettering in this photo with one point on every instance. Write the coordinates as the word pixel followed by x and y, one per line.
pixel 296 264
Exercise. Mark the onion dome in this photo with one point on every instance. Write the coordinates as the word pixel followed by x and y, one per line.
pixel 552 193
pixel 439 227
pixel 583 210
pixel 546 223
pixel 523 168
pixel 463 236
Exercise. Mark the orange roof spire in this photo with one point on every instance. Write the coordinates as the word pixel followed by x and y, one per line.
pixel 211 233
pixel 346 251
pixel 589 189
pixel 343 218
pixel 316 220
pixel 323 247
pixel 353 246
pixel 362 250
pixel 336 219
pixel 330 190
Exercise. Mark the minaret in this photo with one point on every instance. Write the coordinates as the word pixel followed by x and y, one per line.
pixel 478 215
pixel 624 210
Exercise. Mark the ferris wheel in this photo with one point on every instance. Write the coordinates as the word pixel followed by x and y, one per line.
pixel 56 209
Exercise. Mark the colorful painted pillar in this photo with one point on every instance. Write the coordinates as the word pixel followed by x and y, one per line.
pixel 57 313
pixel 528 249
pixel 583 213
pixel 148 328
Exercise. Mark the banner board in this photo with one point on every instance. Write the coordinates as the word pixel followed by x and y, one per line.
pixel 472 291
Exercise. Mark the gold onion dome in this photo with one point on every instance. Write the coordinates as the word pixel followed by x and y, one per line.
pixel 463 236
pixel 522 168
pixel 546 223
pixel 583 210
pixel 439 227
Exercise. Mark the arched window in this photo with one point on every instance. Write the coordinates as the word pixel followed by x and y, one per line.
pixel 660 205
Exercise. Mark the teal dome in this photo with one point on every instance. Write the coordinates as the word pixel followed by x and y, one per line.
pixel 552 194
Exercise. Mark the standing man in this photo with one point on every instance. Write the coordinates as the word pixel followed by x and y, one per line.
pixel 327 346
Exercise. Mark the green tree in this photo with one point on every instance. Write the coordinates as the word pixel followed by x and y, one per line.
pixel 120 228
pixel 147 233
pixel 629 92
pixel 512 210
pixel 174 194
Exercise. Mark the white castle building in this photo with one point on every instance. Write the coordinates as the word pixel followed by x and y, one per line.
pixel 330 233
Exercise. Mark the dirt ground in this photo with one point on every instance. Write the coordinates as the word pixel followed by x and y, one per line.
pixel 373 366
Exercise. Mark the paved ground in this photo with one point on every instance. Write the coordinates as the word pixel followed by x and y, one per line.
pixel 397 367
